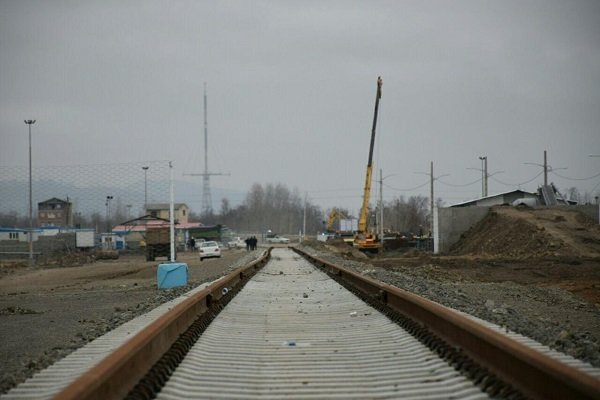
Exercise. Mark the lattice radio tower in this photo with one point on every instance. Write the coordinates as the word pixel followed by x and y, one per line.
pixel 206 208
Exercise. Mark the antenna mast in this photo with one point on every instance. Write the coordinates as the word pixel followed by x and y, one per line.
pixel 206 207
pixel 206 196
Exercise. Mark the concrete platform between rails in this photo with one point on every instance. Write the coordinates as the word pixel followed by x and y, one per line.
pixel 294 333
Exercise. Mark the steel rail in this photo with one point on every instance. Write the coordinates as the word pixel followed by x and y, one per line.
pixel 534 374
pixel 119 372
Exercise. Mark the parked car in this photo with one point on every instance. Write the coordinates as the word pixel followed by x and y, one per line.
pixel 278 239
pixel 236 242
pixel 209 249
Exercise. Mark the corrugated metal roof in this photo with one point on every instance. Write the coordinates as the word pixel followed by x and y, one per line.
pixel 492 196
pixel 143 227
pixel 13 230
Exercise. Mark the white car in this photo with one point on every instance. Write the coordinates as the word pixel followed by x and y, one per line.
pixel 278 239
pixel 209 249
pixel 236 242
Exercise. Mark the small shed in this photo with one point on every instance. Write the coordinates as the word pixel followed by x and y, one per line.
pixel 15 234
pixel 19 235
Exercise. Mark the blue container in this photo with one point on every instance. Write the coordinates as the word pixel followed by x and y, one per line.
pixel 170 275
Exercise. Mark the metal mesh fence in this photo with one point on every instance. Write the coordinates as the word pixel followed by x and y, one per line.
pixel 99 194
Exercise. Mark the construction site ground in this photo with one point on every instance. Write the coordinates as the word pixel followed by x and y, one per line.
pixel 46 312
pixel 536 272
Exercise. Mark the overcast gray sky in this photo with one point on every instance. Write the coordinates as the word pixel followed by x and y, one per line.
pixel 291 88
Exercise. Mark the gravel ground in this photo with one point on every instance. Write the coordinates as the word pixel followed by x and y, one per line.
pixel 45 314
pixel 549 314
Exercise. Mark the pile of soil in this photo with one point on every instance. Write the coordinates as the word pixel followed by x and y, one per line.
pixel 339 247
pixel 525 233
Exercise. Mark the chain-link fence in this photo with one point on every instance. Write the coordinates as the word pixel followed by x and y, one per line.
pixel 111 191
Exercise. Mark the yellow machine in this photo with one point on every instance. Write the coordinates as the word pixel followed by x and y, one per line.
pixel 334 215
pixel 365 239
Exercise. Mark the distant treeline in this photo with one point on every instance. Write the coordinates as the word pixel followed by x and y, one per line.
pixel 276 207
pixel 269 206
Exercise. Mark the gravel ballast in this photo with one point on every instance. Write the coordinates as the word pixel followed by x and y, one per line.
pixel 550 315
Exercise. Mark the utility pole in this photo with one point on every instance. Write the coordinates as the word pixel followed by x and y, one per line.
pixel 431 194
pixel 545 169
pixel 30 122
pixel 431 201
pixel 206 206
pixel 145 189
pixel 381 179
pixel 485 169
pixel 304 219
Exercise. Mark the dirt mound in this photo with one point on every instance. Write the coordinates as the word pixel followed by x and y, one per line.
pixel 531 233
pixel 337 246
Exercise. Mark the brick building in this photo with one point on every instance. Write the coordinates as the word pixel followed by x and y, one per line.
pixel 55 212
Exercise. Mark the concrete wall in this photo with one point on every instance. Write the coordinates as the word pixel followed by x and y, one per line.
pixel 453 222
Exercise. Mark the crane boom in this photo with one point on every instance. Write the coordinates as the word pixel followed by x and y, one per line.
pixel 365 239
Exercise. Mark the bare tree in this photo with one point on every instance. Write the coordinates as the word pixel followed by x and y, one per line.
pixel 406 215
pixel 225 207
pixel 272 206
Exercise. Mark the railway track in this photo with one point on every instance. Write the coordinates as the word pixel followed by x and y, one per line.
pixel 288 330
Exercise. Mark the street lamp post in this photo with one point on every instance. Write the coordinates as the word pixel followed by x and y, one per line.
pixel 484 182
pixel 30 122
pixel 145 188
pixel 108 199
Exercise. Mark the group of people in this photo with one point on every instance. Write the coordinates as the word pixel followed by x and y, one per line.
pixel 251 243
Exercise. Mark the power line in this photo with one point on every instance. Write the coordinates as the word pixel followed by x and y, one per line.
pixel 518 184
pixel 335 190
pixel 336 197
pixel 575 179
pixel 467 184
pixel 406 190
